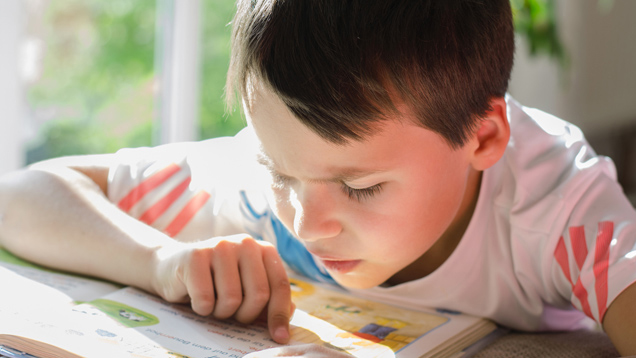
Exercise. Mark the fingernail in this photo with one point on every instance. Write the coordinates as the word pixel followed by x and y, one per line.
pixel 281 334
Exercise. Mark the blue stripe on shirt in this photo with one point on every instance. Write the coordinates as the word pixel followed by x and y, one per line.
pixel 290 249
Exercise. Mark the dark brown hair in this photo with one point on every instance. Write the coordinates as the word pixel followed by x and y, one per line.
pixel 342 65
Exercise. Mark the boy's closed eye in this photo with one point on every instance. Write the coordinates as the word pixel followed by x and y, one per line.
pixel 281 182
pixel 352 191
pixel 361 194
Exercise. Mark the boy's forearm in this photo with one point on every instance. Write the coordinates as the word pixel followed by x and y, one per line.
pixel 62 219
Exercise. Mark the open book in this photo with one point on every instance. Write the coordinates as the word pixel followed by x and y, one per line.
pixel 52 314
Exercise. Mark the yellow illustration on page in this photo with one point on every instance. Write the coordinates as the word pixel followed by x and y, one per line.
pixel 351 324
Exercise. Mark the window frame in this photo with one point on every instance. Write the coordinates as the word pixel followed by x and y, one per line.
pixel 177 70
pixel 12 106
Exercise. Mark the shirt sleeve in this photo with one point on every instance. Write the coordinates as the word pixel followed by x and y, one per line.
pixel 595 255
pixel 185 190
pixel 194 191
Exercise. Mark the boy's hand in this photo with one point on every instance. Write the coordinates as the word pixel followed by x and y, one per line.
pixel 234 276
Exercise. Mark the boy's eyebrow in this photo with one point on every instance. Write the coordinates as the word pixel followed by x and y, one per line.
pixel 346 174
pixel 266 161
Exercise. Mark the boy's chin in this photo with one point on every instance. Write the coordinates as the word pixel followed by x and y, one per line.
pixel 357 281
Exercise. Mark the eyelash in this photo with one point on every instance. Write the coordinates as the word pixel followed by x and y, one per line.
pixel 281 181
pixel 362 194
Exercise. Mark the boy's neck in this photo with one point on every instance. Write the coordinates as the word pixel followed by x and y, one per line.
pixel 446 244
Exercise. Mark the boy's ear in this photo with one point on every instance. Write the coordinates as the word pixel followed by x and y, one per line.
pixel 490 140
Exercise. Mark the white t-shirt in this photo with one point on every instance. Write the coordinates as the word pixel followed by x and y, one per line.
pixel 552 229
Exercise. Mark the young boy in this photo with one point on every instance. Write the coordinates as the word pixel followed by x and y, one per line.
pixel 382 154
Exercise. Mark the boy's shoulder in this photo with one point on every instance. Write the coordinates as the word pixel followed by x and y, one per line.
pixel 549 156
pixel 549 177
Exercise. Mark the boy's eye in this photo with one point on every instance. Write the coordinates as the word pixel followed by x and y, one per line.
pixel 280 182
pixel 361 194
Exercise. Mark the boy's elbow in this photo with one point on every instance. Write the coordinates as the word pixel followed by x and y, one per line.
pixel 14 192
pixel 12 186
pixel 79 168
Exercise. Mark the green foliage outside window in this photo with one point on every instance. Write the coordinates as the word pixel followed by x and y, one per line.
pixel 95 92
pixel 536 21
pixel 215 49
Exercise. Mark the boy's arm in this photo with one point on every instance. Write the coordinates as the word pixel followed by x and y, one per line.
pixel 620 321
pixel 56 213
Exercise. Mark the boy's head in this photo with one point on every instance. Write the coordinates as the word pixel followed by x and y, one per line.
pixel 342 65
pixel 375 119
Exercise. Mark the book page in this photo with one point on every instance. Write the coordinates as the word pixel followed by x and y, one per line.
pixel 178 329
pixel 143 325
pixel 66 333
pixel 337 320
pixel 45 322
pixel 78 288
pixel 361 321
pixel 408 333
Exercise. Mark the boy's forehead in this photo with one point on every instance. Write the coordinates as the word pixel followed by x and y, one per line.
pixel 264 104
pixel 288 147
pixel 332 173
pixel 285 144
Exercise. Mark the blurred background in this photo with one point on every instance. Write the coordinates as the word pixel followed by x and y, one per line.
pixel 92 76
pixel 588 76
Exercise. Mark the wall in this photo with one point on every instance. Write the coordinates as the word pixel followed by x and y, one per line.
pixel 599 88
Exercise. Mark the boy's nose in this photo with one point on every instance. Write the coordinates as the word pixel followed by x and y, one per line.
pixel 314 216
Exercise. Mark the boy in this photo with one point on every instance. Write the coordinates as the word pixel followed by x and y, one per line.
pixel 398 168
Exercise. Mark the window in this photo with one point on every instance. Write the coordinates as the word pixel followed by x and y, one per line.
pixel 92 76
pixel 89 76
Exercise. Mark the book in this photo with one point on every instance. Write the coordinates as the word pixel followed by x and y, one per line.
pixel 50 314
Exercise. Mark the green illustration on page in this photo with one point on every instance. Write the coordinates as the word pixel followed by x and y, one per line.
pixel 124 314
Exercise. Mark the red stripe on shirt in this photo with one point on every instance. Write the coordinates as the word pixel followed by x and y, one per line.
pixel 581 293
pixel 579 249
pixel 187 213
pixel 561 255
pixel 579 245
pixel 150 183
pixel 601 264
pixel 160 207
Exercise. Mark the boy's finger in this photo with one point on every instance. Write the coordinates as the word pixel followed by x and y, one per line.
pixel 227 280
pixel 199 284
pixel 254 280
pixel 279 307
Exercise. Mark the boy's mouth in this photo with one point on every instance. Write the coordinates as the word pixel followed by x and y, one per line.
pixel 340 266
pixel 335 264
